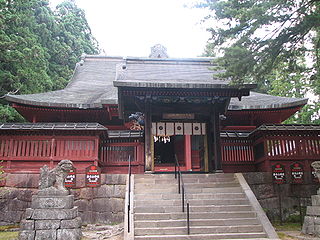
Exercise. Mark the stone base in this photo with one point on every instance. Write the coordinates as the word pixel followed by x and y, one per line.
pixel 41 202
pixel 51 217
pixel 311 223
pixel 53 192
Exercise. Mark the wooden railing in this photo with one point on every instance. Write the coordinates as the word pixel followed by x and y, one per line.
pixel 115 154
pixel 237 151
pixel 48 148
pixel 290 147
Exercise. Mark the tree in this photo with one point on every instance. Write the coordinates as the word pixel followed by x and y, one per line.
pixel 37 51
pixel 272 43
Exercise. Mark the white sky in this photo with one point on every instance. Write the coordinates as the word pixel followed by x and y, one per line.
pixel 132 27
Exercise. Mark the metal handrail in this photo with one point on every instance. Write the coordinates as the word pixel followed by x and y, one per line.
pixel 129 192
pixel 181 189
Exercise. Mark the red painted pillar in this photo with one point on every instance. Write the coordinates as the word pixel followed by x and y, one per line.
pixel 187 152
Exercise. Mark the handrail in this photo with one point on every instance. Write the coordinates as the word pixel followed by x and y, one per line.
pixel 181 189
pixel 129 192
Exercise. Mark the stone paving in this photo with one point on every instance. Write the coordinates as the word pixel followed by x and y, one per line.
pixel 99 232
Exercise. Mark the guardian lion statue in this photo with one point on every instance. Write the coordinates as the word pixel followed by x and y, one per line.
pixel 56 176
pixel 316 167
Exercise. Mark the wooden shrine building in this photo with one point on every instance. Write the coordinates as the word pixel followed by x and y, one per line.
pixel 153 109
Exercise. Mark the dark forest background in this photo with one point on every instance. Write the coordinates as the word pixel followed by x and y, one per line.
pixel 274 43
pixel 39 47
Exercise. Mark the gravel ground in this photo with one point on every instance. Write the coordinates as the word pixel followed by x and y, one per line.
pixel 297 235
pixel 115 232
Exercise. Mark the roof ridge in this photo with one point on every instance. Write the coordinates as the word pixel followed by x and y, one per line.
pixel 84 56
pixel 166 60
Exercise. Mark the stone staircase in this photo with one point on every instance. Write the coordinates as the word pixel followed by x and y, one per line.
pixel 219 208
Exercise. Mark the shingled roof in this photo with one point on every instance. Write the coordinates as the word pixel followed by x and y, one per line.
pixel 92 84
pixel 53 126
pixel 265 101
pixel 169 73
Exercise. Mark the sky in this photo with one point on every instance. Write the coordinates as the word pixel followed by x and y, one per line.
pixel 132 27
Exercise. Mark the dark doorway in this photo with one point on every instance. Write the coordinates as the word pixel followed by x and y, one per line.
pixel 165 152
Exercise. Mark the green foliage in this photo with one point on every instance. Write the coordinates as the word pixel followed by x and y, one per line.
pixel 274 44
pixel 9 235
pixel 39 47
pixel 287 226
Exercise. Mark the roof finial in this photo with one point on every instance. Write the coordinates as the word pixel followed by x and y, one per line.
pixel 158 51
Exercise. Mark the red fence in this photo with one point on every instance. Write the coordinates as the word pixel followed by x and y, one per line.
pixel 114 155
pixel 286 150
pixel 237 155
pixel 32 152
pixel 289 147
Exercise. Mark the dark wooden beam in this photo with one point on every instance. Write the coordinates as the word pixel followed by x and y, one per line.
pixel 210 146
pixel 216 140
pixel 120 104
pixel 147 138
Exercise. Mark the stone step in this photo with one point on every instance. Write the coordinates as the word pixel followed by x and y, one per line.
pixel 223 194
pixel 175 185
pixel 197 177
pixel 197 222
pixel 210 208
pixel 198 230
pixel 209 175
pixel 225 236
pixel 193 202
pixel 186 175
pixel 173 189
pixel 207 180
pixel 185 180
pixel 194 215
pixel 219 209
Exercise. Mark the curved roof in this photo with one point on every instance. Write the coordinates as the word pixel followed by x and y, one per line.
pixel 169 73
pixel 265 101
pixel 92 84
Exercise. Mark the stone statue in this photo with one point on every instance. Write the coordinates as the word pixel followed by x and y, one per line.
pixel 55 177
pixel 158 51
pixel 316 167
pixel 311 223
pixel 52 214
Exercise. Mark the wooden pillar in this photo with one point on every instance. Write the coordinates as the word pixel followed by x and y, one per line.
pixel 34 119
pixel 148 138
pixel 206 159
pixel 210 145
pixel 217 142
pixel 187 152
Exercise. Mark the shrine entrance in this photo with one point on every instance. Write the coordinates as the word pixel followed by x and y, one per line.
pixel 184 141
pixel 181 99
pixel 165 150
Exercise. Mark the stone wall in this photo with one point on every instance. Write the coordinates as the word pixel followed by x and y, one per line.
pixel 104 204
pixel 267 193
